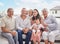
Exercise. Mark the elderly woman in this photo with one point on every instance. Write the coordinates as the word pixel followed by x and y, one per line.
pixel 51 30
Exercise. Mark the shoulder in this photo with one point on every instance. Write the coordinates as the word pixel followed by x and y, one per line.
pixel 51 16
pixel 17 18
pixel 3 18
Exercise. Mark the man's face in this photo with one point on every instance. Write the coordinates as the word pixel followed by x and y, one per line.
pixel 24 12
pixel 10 12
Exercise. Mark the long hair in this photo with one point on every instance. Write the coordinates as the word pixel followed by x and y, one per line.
pixel 38 15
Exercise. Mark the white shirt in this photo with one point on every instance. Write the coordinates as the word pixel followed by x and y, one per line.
pixel 20 23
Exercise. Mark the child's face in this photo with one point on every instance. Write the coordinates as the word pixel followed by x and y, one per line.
pixel 37 21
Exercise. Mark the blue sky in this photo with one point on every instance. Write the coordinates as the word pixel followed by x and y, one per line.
pixel 18 4
pixel 4 4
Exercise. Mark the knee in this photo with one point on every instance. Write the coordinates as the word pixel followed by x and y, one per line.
pixel 51 34
pixel 10 36
pixel 16 34
pixel 44 34
pixel 51 37
pixel 19 32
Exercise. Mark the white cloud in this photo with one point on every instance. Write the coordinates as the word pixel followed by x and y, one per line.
pixel 30 1
pixel 39 4
pixel 56 0
pixel 54 3
pixel 1 4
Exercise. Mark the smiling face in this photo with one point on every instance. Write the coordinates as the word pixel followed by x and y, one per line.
pixel 24 11
pixel 10 12
pixel 35 13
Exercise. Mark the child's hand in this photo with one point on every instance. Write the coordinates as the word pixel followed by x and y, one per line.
pixel 45 29
pixel 26 30
pixel 34 27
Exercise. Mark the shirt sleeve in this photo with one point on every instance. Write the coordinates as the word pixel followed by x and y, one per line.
pixel 53 25
pixel 2 23
pixel 18 24
pixel 29 24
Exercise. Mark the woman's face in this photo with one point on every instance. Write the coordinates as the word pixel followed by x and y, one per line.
pixel 35 13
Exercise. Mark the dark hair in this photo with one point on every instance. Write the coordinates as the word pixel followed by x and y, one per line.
pixel 37 17
pixel 9 9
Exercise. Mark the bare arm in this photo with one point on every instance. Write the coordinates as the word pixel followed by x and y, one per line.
pixel 5 30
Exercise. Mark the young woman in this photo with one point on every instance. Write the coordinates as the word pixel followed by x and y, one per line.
pixel 36 27
pixel 35 15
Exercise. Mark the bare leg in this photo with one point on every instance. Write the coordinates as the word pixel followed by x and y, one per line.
pixel 38 42
pixel 34 42
pixel 51 42
pixel 46 41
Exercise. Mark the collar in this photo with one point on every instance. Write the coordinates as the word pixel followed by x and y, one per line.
pixel 9 17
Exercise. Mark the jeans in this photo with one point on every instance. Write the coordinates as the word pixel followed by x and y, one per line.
pixel 28 36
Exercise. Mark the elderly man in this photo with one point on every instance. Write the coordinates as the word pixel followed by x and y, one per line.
pixel 51 30
pixel 22 25
pixel 8 27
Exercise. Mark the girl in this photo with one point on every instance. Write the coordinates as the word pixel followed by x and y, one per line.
pixel 36 31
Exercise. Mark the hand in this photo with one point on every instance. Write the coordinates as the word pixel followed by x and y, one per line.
pixel 13 33
pixel 23 30
pixel 34 27
pixel 45 29
pixel 45 24
pixel 26 30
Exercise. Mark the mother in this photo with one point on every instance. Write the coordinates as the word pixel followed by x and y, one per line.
pixel 35 15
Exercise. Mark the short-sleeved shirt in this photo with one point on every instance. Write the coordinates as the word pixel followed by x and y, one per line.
pixel 8 22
